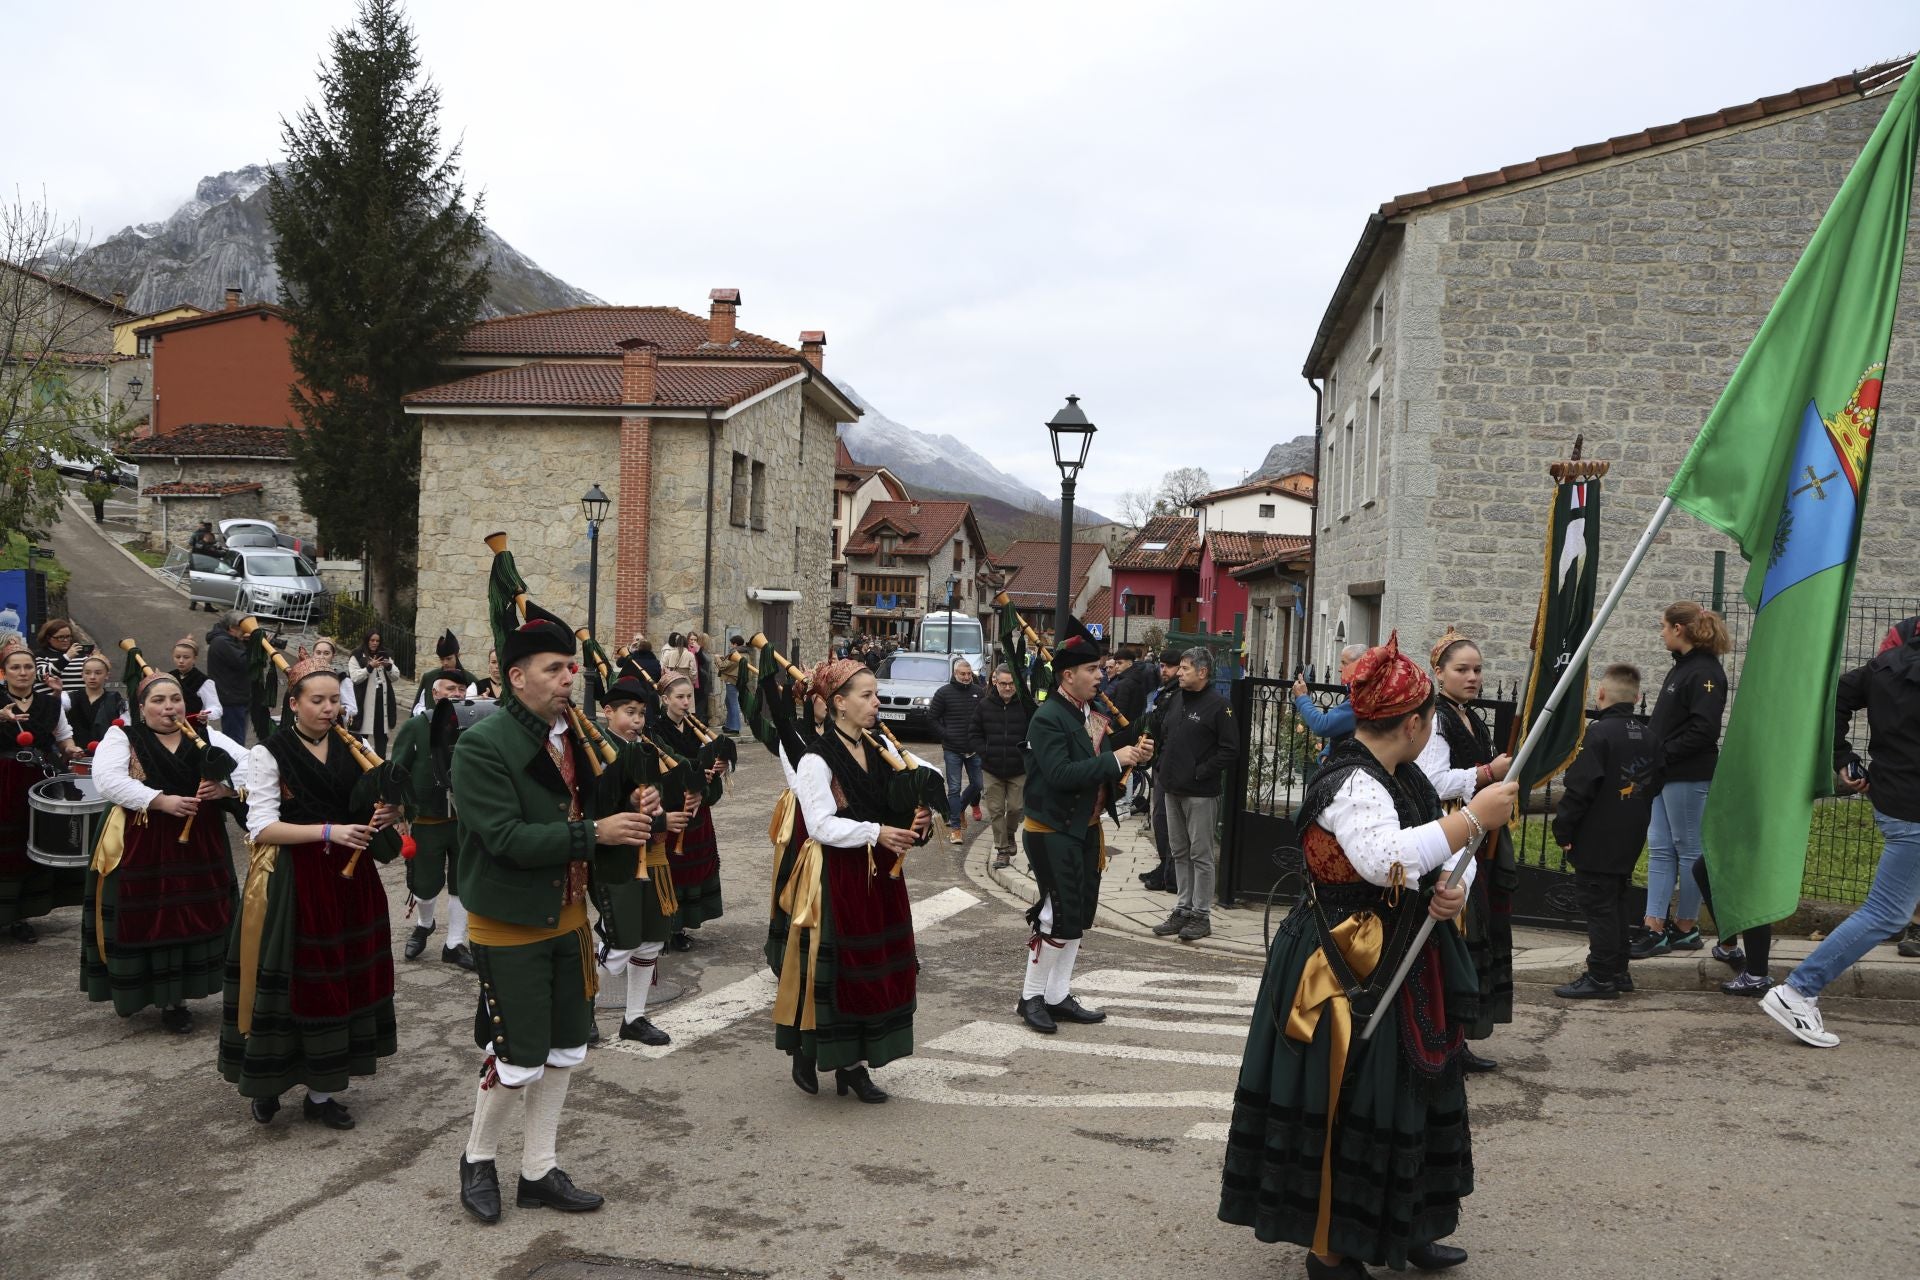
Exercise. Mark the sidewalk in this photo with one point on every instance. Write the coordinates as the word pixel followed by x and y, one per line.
pixel 1546 957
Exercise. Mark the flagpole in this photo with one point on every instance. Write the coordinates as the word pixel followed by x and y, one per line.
pixel 1573 668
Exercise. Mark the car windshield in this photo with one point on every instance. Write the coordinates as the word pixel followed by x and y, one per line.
pixel 923 668
pixel 966 636
pixel 273 567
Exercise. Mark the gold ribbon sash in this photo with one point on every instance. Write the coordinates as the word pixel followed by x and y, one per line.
pixel 1099 827
pixel 107 852
pixel 261 860
pixel 1360 938
pixel 801 899
pixel 653 865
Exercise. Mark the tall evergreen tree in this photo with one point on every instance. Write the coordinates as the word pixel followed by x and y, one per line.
pixel 382 271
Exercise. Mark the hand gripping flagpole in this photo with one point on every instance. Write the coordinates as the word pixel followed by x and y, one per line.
pixel 1526 748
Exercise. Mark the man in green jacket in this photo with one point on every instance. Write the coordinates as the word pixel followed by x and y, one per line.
pixel 435 834
pixel 1068 782
pixel 523 783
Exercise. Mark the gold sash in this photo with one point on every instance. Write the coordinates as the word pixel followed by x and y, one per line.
pixel 107 852
pixel 488 932
pixel 261 860
pixel 1099 827
pixel 654 866
pixel 801 899
pixel 1360 938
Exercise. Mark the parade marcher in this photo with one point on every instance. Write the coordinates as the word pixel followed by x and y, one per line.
pixel 370 671
pixel 694 854
pixel 447 649
pixel 329 653
pixel 36 739
pixel 203 696
pixel 434 828
pixel 1000 727
pixel 528 831
pixel 1070 780
pixel 1459 760
pixel 849 969
pixel 1365 1162
pixel 91 707
pixel 309 983
pixel 637 916
pixel 159 908
pixel 640 661
pixel 488 686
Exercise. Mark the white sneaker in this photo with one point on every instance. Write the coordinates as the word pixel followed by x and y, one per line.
pixel 1799 1015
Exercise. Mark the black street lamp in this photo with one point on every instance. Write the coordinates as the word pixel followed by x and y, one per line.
pixel 1072 437
pixel 134 386
pixel 594 505
pixel 953 580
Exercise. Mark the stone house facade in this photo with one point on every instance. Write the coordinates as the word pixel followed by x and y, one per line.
pixel 1030 575
pixel 215 472
pixel 855 488
pixel 899 561
pixel 1608 291
pixel 715 445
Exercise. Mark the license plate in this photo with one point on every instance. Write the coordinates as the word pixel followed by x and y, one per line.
pixel 893 715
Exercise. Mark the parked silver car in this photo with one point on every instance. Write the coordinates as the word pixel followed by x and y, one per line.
pixel 908 682
pixel 269 582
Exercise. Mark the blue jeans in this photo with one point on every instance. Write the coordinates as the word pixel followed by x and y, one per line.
pixel 233 723
pixel 733 708
pixel 1887 910
pixel 958 766
pixel 1673 846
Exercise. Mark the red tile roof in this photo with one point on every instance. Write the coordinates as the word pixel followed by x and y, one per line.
pixel 598 331
pixel 1179 539
pixel 1857 83
pixel 1100 607
pixel 1033 571
pixel 213 440
pixel 583 385
pixel 198 489
pixel 1226 548
pixel 926 528
pixel 1297 485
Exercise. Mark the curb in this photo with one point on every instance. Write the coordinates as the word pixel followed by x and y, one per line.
pixel 87 519
pixel 1870 979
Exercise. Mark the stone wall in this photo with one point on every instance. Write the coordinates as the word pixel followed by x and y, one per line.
pixel 278 499
pixel 167 523
pixel 1616 303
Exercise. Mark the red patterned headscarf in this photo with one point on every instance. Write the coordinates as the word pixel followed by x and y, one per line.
pixel 829 676
pixel 1387 683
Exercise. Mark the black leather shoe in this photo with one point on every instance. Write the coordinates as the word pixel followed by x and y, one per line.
pixel 457 955
pixel 681 941
pixel 1436 1256
pixel 264 1110
pixel 178 1019
pixel 1071 1010
pixel 329 1113
pixel 1587 987
pixel 1033 1012
pixel 857 1079
pixel 1474 1063
pixel 417 941
pixel 594 1037
pixel 645 1032
pixel 1623 983
pixel 1346 1269
pixel 480 1189
pixel 804 1075
pixel 556 1191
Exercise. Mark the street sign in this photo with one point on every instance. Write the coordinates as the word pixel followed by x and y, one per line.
pixel 1098 630
pixel 840 614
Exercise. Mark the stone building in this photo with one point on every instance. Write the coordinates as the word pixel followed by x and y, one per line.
pixel 902 557
pixel 209 471
pixel 716 446
pixel 1610 291
pixel 856 487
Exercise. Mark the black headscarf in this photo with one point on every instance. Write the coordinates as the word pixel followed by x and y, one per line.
pixel 176 772
pixel 864 788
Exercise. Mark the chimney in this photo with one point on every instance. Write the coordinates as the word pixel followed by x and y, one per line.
pixel 813 347
pixel 720 330
pixel 233 297
pixel 639 370
pixel 119 300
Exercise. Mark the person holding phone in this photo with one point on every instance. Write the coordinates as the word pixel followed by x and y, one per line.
pixel 370 671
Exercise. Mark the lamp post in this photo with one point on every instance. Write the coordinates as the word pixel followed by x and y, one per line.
pixel 594 505
pixel 1072 437
pixel 953 580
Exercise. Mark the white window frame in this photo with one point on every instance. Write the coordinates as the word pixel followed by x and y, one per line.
pixel 1330 508
pixel 1347 431
pixel 1376 423
pixel 1377 324
pixel 1333 394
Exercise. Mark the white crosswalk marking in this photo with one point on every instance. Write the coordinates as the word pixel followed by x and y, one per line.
pixel 1237 1030
pixel 1209 1131
pixel 1000 1040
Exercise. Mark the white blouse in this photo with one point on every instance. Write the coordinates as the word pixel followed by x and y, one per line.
pixel 1362 818
pixel 263 791
pixel 118 786
pixel 1436 761
pixel 813 785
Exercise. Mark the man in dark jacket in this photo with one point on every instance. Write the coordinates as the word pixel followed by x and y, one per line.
pixel 1601 822
pixel 952 714
pixel 1198 741
pixel 1000 729
pixel 1168 671
pixel 227 668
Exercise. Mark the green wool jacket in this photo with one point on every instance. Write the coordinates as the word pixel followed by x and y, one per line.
pixel 515 839
pixel 1064 772
pixel 412 750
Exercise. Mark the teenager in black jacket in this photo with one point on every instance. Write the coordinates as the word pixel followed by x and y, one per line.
pixel 1000 730
pixel 1685 727
pixel 1605 805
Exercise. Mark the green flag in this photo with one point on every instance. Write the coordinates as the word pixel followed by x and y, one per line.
pixel 1567 591
pixel 1781 467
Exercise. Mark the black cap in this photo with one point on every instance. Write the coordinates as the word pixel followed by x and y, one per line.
pixel 542 635
pixel 447 645
pixel 628 689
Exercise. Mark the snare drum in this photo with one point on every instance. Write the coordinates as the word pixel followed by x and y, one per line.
pixel 65 815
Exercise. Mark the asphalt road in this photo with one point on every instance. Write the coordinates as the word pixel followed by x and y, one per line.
pixel 1663 1135
pixel 111 597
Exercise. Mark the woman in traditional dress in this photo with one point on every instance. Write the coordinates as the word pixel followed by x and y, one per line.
pixel 203 699
pixel 1368 1165
pixel 695 854
pixel 488 686
pixel 159 908
pixel 328 652
pixel 34 742
pixel 1459 760
pixel 849 970
pixel 309 984
pixel 370 671
pixel 91 707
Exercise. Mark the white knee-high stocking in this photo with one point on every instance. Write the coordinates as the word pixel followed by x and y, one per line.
pixel 423 911
pixel 1060 977
pixel 456 921
pixel 545 1098
pixel 490 1111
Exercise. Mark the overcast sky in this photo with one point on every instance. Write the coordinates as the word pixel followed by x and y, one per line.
pixel 986 206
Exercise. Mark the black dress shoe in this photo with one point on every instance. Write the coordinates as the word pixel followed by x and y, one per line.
pixel 556 1191
pixel 1474 1063
pixel 593 1034
pixel 1587 987
pixel 457 955
pixel 857 1079
pixel 1345 1269
pixel 804 1075
pixel 645 1032
pixel 1071 1010
pixel 681 941
pixel 178 1019
pixel 1033 1012
pixel 264 1110
pixel 417 941
pixel 1435 1256
pixel 329 1113
pixel 480 1189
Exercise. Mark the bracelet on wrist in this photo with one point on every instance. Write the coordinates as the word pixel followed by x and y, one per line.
pixel 326 833
pixel 1475 829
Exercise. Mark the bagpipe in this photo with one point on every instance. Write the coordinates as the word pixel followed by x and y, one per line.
pixel 381 781
pixel 1028 636
pixel 216 764
pixel 713 746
